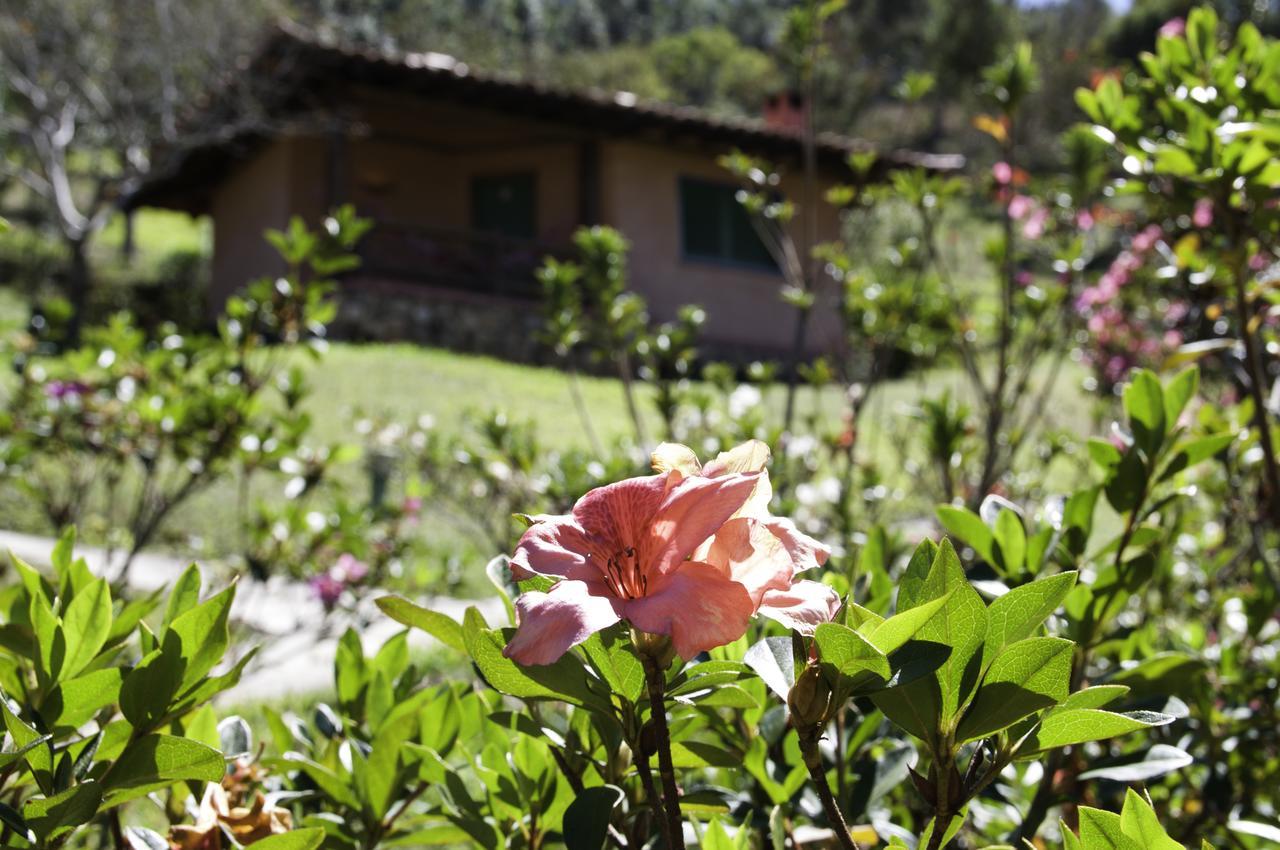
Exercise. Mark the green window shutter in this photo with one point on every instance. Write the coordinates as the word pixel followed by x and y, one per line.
pixel 505 204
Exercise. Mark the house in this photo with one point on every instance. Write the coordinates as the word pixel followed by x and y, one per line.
pixel 472 178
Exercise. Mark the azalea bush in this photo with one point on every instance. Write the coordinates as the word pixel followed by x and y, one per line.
pixel 715 683
pixel 128 427
pixel 105 706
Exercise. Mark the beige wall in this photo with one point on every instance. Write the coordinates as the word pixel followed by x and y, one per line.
pixel 416 161
pixel 641 198
pixel 255 197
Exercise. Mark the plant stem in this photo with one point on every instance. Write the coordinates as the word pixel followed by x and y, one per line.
pixel 813 761
pixel 674 822
pixel 1257 389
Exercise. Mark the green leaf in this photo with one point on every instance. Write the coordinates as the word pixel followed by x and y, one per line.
pixel 1028 676
pixel 1018 613
pixel 586 820
pixel 1177 393
pixel 911 585
pixel 969 527
pixel 184 596
pixel 1011 542
pixel 613 658
pixel 1101 830
pixel 36 748
pixel 74 702
pixel 164 758
pixel 1138 821
pixel 203 635
pixel 50 817
pixel 14 821
pixel 441 627
pixel 149 688
pixel 900 628
pixel 927 704
pixel 1066 727
pixel 1173 160
pixel 309 838
pixel 961 625
pixel 843 651
pixel 1128 482
pixel 87 622
pixel 1095 697
pixel 1144 403
pixel 565 680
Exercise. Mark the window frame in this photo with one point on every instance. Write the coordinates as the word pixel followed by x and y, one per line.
pixel 683 181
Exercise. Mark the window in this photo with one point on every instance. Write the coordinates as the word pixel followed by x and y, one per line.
pixel 504 204
pixel 715 226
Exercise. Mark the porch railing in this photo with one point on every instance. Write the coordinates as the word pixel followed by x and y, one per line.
pixel 467 261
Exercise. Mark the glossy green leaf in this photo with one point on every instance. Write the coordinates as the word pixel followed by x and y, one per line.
pixel 50 817
pixel 1017 614
pixel 308 838
pixel 1066 727
pixel 1028 676
pixel 164 758
pixel 586 820
pixel 441 627
pixel 1101 830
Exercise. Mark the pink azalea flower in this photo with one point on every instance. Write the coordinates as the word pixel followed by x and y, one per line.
pixel 327 589
pixel 1173 28
pixel 1034 226
pixel 1002 172
pixel 1020 206
pixel 1147 239
pixel 349 569
pixel 688 553
pixel 60 390
pixel 1202 216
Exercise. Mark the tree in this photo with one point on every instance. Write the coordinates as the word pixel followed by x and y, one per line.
pixel 89 89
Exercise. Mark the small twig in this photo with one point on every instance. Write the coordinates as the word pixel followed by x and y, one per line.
pixel 674 822
pixel 813 761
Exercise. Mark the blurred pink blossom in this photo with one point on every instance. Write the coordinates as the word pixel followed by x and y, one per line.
pixel 1034 226
pixel 1173 28
pixel 327 589
pixel 1002 172
pixel 1202 217
pixel 1147 239
pixel 1020 206
pixel 349 569
pixel 1084 220
pixel 60 390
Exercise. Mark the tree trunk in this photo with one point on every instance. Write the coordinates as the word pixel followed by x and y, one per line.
pixel 79 281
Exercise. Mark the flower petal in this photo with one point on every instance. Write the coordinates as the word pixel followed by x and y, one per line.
pixel 693 511
pixel 803 607
pixel 748 552
pixel 669 456
pixel 619 515
pixel 806 553
pixel 553 622
pixel 751 456
pixel 553 546
pixel 697 606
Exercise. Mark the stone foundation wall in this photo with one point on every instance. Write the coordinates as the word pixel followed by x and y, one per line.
pixel 385 311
